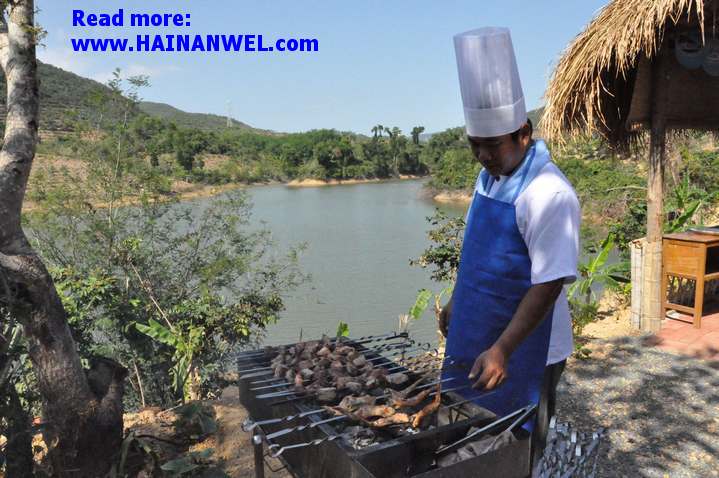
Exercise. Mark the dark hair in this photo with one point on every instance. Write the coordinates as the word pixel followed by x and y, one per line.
pixel 515 135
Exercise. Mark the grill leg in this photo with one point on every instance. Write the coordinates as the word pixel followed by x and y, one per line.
pixel 256 442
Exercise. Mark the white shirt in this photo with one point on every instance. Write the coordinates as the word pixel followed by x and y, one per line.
pixel 548 217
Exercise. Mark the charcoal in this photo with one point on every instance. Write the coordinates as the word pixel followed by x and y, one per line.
pixel 324 362
pixel 324 351
pixel 290 375
pixel 306 373
pixel 281 370
pixel 352 370
pixel 344 350
pixel 337 365
pixel 304 364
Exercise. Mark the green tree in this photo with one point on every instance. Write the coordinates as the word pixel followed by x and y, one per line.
pixel 416 131
pixel 200 269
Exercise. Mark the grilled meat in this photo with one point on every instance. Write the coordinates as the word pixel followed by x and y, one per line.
pixel 428 409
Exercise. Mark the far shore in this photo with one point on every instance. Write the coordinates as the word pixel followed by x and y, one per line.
pixel 184 191
pixel 316 183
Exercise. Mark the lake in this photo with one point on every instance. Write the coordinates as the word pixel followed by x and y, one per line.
pixel 360 239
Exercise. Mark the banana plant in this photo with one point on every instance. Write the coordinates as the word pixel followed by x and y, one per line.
pixel 184 343
pixel 597 271
pixel 420 304
pixel 687 207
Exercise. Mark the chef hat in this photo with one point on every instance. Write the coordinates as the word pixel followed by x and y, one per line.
pixel 489 81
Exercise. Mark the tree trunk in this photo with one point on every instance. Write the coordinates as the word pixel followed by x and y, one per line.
pixel 81 429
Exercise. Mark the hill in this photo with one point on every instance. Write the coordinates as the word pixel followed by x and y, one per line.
pixel 65 97
pixel 203 121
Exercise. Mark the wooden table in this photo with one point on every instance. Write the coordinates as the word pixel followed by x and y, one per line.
pixel 694 256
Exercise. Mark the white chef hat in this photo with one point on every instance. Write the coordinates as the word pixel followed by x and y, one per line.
pixel 489 81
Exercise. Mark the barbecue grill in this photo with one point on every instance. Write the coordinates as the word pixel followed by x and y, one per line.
pixel 311 442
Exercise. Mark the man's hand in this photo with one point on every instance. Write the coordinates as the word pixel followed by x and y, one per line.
pixel 444 318
pixel 491 366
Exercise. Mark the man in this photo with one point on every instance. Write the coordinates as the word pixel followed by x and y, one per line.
pixel 508 316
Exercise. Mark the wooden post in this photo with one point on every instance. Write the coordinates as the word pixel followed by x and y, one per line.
pixel 652 312
pixel 651 287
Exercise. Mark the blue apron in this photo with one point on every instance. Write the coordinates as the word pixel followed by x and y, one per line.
pixel 494 275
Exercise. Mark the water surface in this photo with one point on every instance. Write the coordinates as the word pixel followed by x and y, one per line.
pixel 360 239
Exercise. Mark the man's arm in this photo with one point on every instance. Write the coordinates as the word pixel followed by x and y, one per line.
pixel 491 365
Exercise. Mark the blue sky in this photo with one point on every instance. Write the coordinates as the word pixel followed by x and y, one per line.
pixel 386 62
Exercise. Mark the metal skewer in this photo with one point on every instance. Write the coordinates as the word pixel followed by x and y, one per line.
pixel 343 417
pixel 302 397
pixel 382 348
pixel 286 393
pixel 410 362
pixel 276 450
pixel 252 356
pixel 249 425
pixel 358 340
pixel 522 414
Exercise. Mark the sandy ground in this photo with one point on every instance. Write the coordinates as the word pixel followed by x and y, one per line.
pixel 232 452
pixel 613 320
pixel 231 445
pixel 453 197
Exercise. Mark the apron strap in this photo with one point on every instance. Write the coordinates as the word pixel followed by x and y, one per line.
pixel 527 167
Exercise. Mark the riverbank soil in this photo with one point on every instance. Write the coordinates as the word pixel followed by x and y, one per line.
pixel 230 453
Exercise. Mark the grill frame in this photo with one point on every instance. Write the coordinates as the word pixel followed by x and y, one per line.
pixel 406 455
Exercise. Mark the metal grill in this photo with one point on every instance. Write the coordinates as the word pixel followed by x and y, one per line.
pixel 312 442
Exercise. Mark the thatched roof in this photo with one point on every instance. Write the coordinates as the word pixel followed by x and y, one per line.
pixel 592 87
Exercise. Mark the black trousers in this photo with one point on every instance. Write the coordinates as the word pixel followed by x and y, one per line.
pixel 547 408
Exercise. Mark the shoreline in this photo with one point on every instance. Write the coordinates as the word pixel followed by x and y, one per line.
pixel 183 191
pixel 320 183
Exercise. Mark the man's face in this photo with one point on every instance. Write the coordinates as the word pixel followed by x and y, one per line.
pixel 501 155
